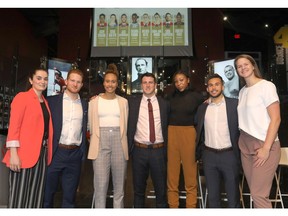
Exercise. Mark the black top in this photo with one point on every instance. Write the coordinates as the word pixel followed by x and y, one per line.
pixel 46 120
pixel 183 107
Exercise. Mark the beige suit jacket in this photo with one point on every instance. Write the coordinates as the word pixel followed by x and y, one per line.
pixel 93 125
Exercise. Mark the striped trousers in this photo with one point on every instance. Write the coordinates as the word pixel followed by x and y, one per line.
pixel 27 186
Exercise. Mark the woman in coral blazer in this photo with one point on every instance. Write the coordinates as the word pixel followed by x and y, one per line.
pixel 29 144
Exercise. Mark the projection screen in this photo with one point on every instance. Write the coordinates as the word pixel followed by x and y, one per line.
pixel 126 32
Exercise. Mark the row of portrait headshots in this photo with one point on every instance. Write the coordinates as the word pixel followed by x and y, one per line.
pixel 150 18
pixel 226 69
pixel 135 20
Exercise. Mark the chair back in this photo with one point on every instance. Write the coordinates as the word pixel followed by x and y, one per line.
pixel 284 156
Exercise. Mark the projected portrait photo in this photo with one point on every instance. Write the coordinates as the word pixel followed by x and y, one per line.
pixel 140 65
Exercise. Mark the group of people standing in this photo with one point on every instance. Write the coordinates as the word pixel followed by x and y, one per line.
pixel 47 140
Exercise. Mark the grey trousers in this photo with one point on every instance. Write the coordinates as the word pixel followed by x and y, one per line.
pixel 110 156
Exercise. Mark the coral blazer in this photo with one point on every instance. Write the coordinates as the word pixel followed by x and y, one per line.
pixel 26 129
pixel 93 125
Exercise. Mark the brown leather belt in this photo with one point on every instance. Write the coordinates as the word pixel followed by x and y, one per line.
pixel 69 147
pixel 150 146
pixel 218 150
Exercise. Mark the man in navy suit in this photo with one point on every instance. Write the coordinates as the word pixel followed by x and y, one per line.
pixel 148 156
pixel 217 144
pixel 69 116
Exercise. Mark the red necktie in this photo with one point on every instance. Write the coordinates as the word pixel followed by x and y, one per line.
pixel 151 122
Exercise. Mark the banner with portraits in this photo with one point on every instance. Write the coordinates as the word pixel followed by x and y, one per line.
pixel 140 27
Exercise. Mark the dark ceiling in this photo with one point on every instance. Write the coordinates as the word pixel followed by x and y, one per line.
pixel 246 20
pixel 251 21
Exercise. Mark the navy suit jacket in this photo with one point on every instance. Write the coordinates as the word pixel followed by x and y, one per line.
pixel 134 102
pixel 232 117
pixel 56 108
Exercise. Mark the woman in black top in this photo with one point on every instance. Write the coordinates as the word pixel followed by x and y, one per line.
pixel 181 140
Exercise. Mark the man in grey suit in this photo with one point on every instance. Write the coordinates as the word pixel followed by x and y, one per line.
pixel 148 156
pixel 217 144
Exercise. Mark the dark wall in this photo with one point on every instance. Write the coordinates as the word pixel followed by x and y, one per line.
pixel 74 41
pixel 207 38
pixel 208 42
pixel 74 35
pixel 18 40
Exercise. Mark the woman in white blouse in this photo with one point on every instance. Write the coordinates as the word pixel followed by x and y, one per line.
pixel 259 120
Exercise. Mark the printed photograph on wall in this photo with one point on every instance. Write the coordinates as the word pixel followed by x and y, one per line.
pixel 228 73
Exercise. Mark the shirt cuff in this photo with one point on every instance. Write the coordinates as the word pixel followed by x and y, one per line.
pixel 12 143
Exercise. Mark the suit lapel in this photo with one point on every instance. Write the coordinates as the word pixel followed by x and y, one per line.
pixel 122 114
pixel 61 110
pixel 228 110
pixel 162 111
pixel 202 117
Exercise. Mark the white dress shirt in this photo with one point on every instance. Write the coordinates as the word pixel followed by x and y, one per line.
pixel 71 133
pixel 217 134
pixel 142 131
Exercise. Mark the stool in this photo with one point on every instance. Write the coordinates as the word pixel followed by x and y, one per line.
pixel 225 199
pixel 282 163
pixel 200 196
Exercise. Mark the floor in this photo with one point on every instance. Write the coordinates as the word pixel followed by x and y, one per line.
pixel 85 191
